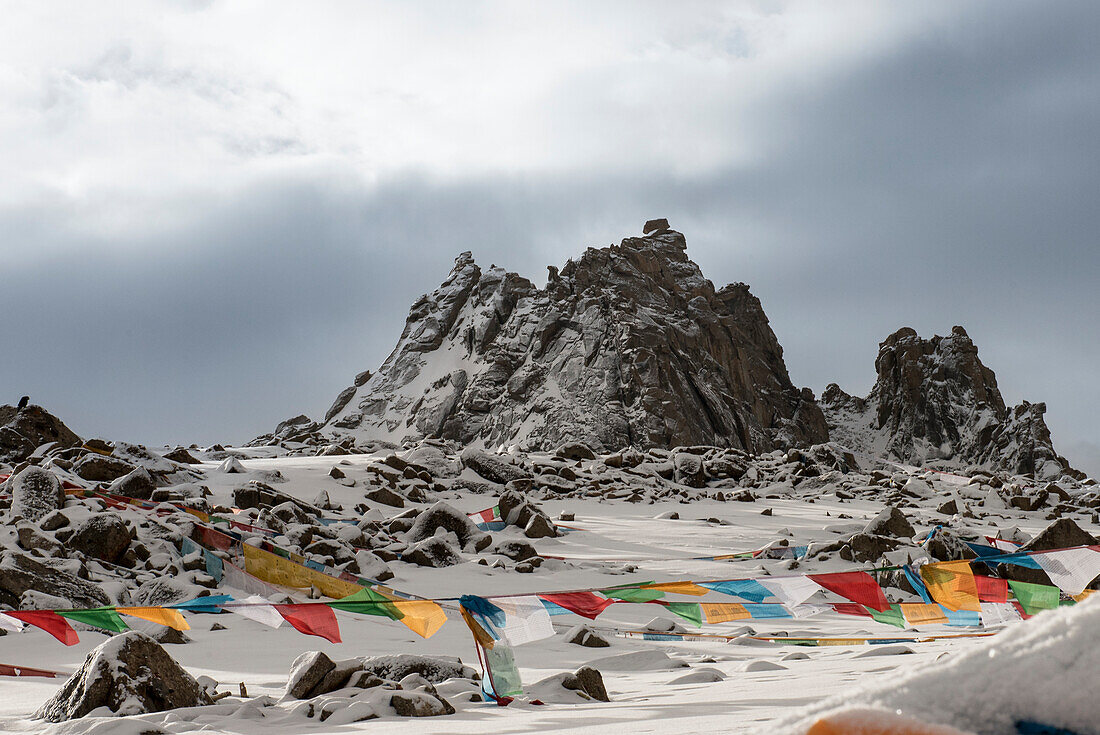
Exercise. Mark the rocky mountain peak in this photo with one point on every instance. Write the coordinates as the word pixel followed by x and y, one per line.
pixel 627 345
pixel 934 400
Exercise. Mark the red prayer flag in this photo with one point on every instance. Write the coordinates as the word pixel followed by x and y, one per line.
pixel 850 608
pixel 585 604
pixel 48 621
pixel 1020 609
pixel 991 589
pixel 312 619
pixel 856 586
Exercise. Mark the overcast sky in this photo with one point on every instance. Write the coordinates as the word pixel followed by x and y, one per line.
pixel 214 214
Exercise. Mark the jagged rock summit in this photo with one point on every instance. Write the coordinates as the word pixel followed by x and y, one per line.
pixel 627 345
pixel 934 401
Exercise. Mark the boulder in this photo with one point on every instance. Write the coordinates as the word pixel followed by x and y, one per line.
pixel 97 468
pixel 137 483
pixel 181 455
pixel 443 516
pixel 103 536
pixel 23 430
pixel 20 572
pixel 540 527
pixel 35 493
pixel 435 669
pixel 492 467
pixel 515 550
pixel 655 226
pixel 582 635
pixel 306 673
pixel 890 522
pixel 129 674
pixel 385 496
pixel 864 547
pixel 689 469
pixel 575 451
pixel 420 704
pixel 946 545
pixel 432 552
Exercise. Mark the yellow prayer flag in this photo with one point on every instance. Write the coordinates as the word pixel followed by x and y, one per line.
pixel 1084 594
pixel 952 584
pixel 922 613
pixel 159 615
pixel 678 588
pixel 723 612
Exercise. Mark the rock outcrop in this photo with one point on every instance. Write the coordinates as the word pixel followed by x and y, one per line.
pixel 22 430
pixel 627 345
pixel 129 674
pixel 935 402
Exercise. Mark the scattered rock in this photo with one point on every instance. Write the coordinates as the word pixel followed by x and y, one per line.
pixel 582 635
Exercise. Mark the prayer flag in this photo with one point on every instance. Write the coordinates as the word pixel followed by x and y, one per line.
pixel 585 604
pixel 951 583
pixel 160 615
pixel 312 619
pixel 1071 569
pixel 257 608
pixel 50 622
pixel 723 612
pixel 98 617
pixel 922 613
pixel 791 591
pixel 858 587
pixel 991 589
pixel 1035 597
pixel 747 589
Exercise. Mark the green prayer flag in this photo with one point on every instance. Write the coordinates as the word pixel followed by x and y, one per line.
pixel 892 616
pixel 368 602
pixel 690 611
pixel 99 617
pixel 632 594
pixel 1035 597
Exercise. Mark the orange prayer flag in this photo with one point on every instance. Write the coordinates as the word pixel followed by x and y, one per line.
pixel 159 615
pixel 921 613
pixel 678 588
pixel 723 612
pixel 952 584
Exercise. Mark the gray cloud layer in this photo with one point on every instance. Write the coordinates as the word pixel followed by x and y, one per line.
pixel 947 178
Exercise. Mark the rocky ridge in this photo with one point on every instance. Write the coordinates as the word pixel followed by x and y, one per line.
pixel 935 404
pixel 627 345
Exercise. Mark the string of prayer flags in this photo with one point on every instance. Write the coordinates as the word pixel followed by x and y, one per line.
pixel 165 616
pixel 1071 569
pixel 367 602
pixel 858 587
pixel 1035 597
pixel 585 604
pixel 422 617
pixel 312 619
pixel 633 594
pixel 951 583
pixel 48 621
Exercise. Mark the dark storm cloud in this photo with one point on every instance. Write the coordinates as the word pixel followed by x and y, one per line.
pixel 948 180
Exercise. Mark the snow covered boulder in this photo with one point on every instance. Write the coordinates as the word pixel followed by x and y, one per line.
pixel 129 674
pixel 103 536
pixel 135 484
pixel 443 516
pixel 582 635
pixel 435 669
pixel 35 493
pixel 890 522
pixel 492 467
pixel 434 552
pixel 586 684
pixel 306 673
pixel 97 468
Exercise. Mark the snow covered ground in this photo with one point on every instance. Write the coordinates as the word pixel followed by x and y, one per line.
pixel 616 542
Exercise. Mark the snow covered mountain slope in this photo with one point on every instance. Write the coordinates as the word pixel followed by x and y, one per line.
pixel 627 345
pixel 934 402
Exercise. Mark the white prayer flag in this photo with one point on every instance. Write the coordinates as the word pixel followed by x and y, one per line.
pixel 7 622
pixel 994 613
pixel 1070 569
pixel 257 609
pixel 526 619
pixel 791 591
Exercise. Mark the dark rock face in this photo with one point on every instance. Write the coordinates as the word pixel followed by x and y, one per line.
pixel 129 674
pixel 628 345
pixel 935 400
pixel 35 493
pixel 20 573
pixel 22 430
